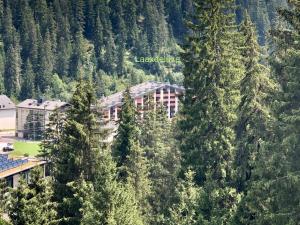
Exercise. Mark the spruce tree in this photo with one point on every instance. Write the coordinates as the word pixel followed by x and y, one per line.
pixel 212 71
pixel 2 65
pixel 45 63
pixel 274 194
pixel 184 211
pixel 32 203
pixel 131 161
pixel 127 130
pixel 254 125
pixel 158 142
pixel 12 71
pixel 110 202
pixel 74 152
pixel 27 87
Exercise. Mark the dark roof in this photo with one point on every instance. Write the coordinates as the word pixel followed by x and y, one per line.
pixel 6 103
pixel 45 105
pixel 136 91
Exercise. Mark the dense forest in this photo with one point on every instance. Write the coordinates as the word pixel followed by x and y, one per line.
pixel 230 156
pixel 47 44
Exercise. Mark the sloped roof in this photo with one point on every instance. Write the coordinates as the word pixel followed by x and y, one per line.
pixel 45 105
pixel 6 103
pixel 136 91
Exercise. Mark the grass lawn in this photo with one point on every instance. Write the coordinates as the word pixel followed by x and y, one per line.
pixel 21 148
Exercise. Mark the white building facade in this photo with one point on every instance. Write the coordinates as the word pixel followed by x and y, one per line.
pixel 7 114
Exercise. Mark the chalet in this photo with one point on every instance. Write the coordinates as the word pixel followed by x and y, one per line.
pixel 33 115
pixel 7 114
pixel 160 93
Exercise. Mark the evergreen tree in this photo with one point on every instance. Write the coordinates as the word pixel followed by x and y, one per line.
pixel 273 195
pixel 211 74
pixel 131 161
pixel 31 203
pixel 3 191
pixel 157 140
pixel 27 87
pixel 8 28
pixel 254 116
pixel 12 72
pixel 127 130
pixel 45 63
pixel 2 65
pixel 111 202
pixel 28 35
pixel 76 59
pixel 75 151
pixel 184 212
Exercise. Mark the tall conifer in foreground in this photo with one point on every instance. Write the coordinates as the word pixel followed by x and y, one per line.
pixel 254 117
pixel 255 125
pixel 32 203
pixel 157 140
pixel 131 161
pixel 273 198
pixel 74 152
pixel 211 75
pixel 109 202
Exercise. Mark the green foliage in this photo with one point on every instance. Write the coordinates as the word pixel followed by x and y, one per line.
pixel 110 202
pixel 212 71
pixel 58 38
pixel 184 211
pixel 3 191
pixel 131 161
pixel 255 119
pixel 31 203
pixel 72 143
pixel 158 142
pixel 273 191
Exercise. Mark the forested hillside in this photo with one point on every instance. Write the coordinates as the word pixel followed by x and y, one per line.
pixel 47 44
pixel 229 157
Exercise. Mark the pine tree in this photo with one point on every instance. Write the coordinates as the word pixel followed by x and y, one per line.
pixel 254 116
pixel 28 35
pixel 98 40
pixel 64 47
pixel 212 70
pixel 184 212
pixel 12 72
pixel 3 191
pixel 127 130
pixel 27 87
pixel 76 59
pixel 45 63
pixel 157 140
pixel 274 194
pixel 8 28
pixel 75 151
pixel 2 65
pixel 31 203
pixel 131 160
pixel 111 202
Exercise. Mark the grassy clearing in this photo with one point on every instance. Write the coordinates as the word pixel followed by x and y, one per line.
pixel 25 148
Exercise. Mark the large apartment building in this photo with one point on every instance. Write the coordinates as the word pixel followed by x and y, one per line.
pixel 33 116
pixel 159 93
pixel 7 114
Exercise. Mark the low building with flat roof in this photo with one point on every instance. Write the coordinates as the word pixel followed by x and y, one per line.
pixel 11 170
pixel 7 114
